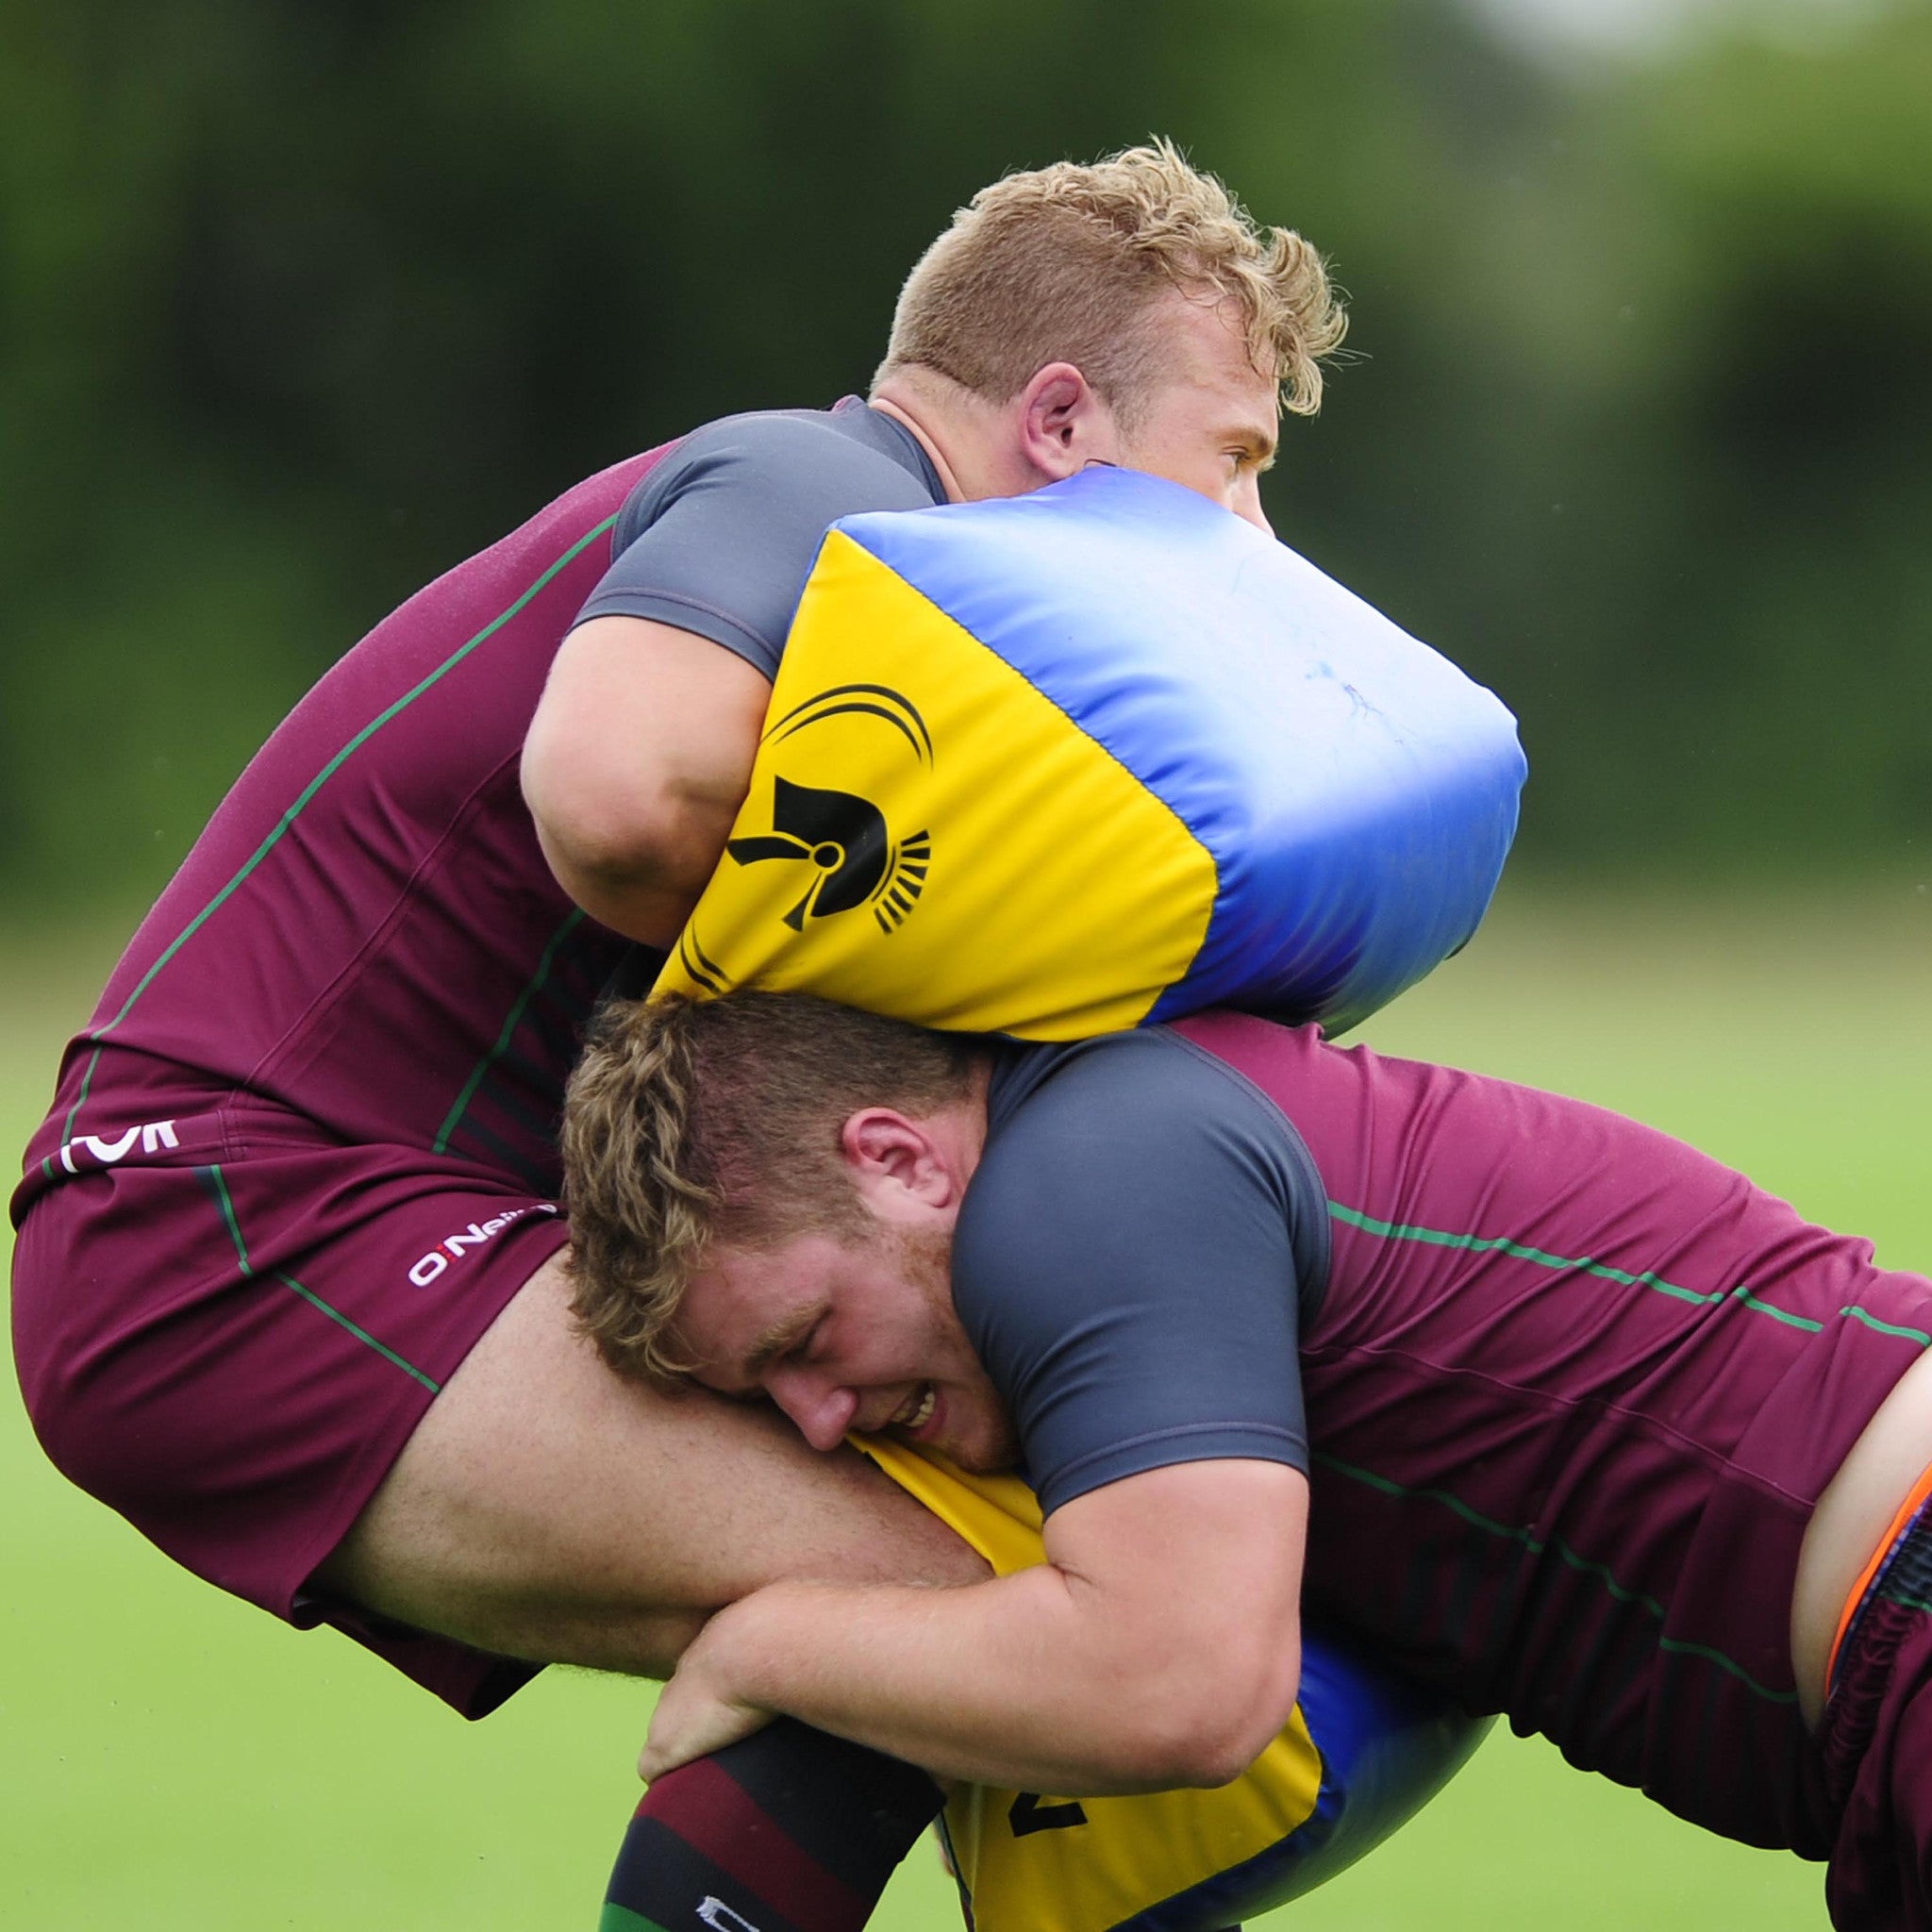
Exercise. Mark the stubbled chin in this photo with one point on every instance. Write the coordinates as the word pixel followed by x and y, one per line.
pixel 996 1459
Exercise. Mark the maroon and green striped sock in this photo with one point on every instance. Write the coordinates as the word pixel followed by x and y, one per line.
pixel 788 1830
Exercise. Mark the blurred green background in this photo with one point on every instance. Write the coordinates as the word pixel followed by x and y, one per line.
pixel 300 304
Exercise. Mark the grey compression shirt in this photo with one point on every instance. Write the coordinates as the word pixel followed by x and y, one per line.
pixel 1142 1241
pixel 719 537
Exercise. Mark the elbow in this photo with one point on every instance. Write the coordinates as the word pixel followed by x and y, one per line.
pixel 594 844
pixel 608 837
pixel 634 766
pixel 1204 1724
pixel 591 822
pixel 1211 1752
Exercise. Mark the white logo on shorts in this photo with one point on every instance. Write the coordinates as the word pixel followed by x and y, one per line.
pixel 452 1246
pixel 721 1918
pixel 153 1138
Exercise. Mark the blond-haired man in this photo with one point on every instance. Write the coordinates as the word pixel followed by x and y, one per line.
pixel 1125 313
pixel 289 1288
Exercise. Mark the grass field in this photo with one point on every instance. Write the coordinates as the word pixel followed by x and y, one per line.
pixel 172 1761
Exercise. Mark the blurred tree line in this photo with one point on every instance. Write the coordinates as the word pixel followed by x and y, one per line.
pixel 302 303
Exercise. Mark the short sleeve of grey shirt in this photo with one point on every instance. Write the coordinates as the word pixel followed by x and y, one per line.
pixel 1136 1254
pixel 719 537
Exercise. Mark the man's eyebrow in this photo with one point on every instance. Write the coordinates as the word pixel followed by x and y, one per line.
pixel 786 1332
pixel 1259 445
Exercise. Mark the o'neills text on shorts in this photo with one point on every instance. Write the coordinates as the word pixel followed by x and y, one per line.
pixel 453 1246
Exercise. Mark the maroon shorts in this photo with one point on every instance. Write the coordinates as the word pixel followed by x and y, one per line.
pixel 232 1355
pixel 1876 1742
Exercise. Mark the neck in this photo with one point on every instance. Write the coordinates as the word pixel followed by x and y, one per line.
pixel 960 1127
pixel 955 429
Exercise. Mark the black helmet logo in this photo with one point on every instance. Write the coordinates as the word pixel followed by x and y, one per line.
pixel 842 838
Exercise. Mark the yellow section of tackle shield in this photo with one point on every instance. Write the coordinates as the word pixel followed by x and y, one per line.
pixel 928 837
pixel 1034 1862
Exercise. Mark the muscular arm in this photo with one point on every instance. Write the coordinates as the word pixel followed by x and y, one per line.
pixel 1160 1646
pixel 641 749
pixel 636 763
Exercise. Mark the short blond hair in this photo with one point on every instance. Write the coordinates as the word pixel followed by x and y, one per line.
pixel 690 1122
pixel 1068 263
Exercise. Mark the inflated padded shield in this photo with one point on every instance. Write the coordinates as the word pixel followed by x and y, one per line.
pixel 1064 763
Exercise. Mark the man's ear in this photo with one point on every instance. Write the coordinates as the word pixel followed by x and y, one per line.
pixel 1063 424
pixel 897 1163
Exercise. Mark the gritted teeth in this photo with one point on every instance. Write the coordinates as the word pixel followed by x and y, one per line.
pixel 916 1411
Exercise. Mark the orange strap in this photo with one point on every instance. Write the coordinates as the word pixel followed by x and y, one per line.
pixel 1915 1500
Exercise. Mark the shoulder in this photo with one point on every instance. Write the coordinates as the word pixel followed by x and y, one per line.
pixel 720 538
pixel 1152 1097
pixel 771 433
pixel 784 454
pixel 1132 1145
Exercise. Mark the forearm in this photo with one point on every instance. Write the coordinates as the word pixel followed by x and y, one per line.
pixel 1017 1683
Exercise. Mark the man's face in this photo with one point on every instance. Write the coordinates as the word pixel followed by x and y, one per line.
pixel 1213 421
pixel 849 1334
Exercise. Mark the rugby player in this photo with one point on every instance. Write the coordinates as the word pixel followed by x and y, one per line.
pixel 1600 1436
pixel 289 1286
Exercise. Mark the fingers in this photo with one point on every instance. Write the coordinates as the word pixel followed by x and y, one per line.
pixel 688 1728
